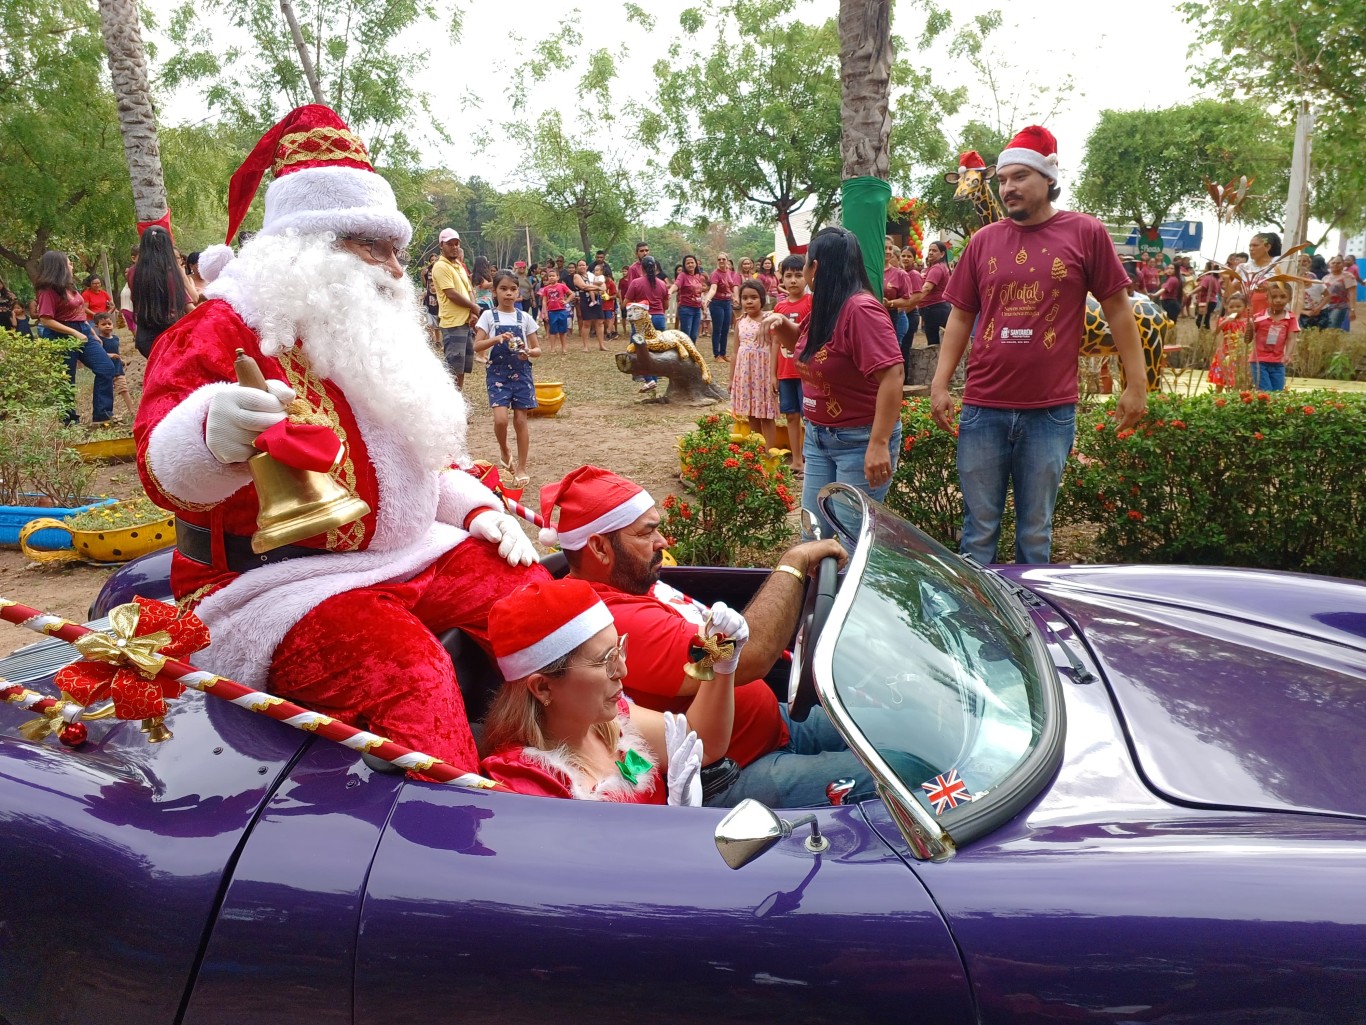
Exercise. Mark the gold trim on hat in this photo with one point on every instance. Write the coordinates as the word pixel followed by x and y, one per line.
pixel 337 144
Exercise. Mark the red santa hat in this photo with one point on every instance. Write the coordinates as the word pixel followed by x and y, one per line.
pixel 323 181
pixel 971 161
pixel 1034 147
pixel 592 501
pixel 543 621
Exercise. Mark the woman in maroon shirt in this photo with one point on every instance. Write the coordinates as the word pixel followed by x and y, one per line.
pixel 62 316
pixel 934 308
pixel 718 299
pixel 690 285
pixel 850 363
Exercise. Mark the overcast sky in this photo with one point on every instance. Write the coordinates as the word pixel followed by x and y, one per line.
pixel 1117 60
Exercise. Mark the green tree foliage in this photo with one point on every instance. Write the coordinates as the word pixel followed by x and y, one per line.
pixel 746 117
pixel 1280 52
pixel 1150 165
pixel 940 208
pixel 62 173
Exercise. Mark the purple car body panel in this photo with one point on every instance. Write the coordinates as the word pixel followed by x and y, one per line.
pixel 515 908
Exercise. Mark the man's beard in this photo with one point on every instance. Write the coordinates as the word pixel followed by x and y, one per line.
pixel 360 328
pixel 629 576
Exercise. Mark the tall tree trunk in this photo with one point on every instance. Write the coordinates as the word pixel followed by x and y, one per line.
pixel 310 73
pixel 865 86
pixel 137 120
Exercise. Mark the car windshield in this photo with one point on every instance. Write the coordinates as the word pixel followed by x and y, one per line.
pixel 934 666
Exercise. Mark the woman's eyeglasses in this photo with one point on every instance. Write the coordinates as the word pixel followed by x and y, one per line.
pixel 380 248
pixel 615 657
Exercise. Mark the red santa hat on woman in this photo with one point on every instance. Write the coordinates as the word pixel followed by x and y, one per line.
pixel 1034 147
pixel 323 181
pixel 543 621
pixel 592 501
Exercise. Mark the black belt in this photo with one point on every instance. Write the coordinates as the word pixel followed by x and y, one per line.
pixel 196 543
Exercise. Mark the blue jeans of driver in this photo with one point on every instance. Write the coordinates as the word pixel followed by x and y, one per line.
pixel 91 353
pixel 721 312
pixel 1024 447
pixel 835 454
pixel 795 776
pixel 690 321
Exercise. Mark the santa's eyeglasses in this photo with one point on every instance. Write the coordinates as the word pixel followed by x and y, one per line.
pixel 380 248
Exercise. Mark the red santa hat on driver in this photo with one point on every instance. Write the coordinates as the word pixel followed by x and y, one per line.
pixel 1034 147
pixel 323 181
pixel 543 621
pixel 592 501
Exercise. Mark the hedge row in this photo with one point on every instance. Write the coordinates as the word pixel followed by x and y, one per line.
pixel 1273 481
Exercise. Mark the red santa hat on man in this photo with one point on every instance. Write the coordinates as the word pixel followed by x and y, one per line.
pixel 323 181
pixel 1034 147
pixel 592 501
pixel 543 621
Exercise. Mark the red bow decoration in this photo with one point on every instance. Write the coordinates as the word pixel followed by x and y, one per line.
pixel 303 446
pixel 122 665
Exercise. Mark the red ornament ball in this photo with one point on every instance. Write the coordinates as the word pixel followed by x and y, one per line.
pixel 73 734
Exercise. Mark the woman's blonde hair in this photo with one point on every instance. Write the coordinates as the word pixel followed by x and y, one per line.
pixel 515 718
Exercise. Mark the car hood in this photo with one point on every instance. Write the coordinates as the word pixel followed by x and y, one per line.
pixel 1238 689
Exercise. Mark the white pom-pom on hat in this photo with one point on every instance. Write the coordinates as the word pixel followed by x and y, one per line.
pixel 549 538
pixel 212 261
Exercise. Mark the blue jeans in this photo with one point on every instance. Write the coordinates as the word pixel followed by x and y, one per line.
pixel 832 454
pixel 1268 376
pixel 900 323
pixel 1026 447
pixel 690 321
pixel 721 312
pixel 91 353
pixel 1337 318
pixel 795 776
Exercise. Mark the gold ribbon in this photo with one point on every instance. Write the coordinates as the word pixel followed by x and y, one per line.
pixel 121 647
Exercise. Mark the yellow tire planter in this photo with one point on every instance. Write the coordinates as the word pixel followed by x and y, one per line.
pixel 107 448
pixel 119 544
pixel 549 398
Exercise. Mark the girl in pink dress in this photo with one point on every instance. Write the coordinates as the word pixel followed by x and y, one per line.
pixel 751 392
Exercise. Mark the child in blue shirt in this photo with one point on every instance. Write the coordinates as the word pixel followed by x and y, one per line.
pixel 509 336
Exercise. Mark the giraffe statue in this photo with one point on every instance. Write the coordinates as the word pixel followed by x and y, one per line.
pixel 1154 329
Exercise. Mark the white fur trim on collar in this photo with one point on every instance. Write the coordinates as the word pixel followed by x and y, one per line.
pixel 614 519
pixel 620 788
pixel 345 200
pixel 556 644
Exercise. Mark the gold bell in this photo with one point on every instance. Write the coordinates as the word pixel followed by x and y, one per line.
pixel 156 730
pixel 294 504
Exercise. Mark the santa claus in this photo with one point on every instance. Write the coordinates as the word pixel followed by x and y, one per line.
pixel 344 621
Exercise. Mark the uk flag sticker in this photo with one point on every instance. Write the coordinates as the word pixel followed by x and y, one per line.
pixel 946 791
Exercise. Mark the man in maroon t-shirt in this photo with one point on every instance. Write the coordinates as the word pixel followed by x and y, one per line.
pixel 1023 282
pixel 608 529
pixel 634 271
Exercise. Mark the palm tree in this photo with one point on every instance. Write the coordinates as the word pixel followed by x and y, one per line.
pixel 128 68
pixel 865 86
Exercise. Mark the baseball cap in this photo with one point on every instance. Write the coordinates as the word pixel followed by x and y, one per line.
pixel 447 234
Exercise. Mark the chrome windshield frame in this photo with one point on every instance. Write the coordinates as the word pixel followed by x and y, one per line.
pixel 928 836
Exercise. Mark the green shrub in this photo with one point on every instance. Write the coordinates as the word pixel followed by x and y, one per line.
pixel 36 457
pixel 1336 355
pixel 1241 479
pixel 740 505
pixel 33 374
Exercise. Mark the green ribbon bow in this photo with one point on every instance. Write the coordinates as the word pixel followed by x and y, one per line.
pixel 634 765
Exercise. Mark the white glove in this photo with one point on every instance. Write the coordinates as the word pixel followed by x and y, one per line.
pixel 238 414
pixel 504 531
pixel 725 620
pixel 683 753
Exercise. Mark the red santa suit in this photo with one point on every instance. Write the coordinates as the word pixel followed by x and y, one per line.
pixel 349 631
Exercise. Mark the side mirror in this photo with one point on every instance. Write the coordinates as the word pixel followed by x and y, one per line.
pixel 811 530
pixel 750 829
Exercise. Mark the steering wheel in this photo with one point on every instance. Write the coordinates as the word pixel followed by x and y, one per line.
pixel 820 597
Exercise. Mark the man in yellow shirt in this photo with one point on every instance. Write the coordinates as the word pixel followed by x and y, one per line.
pixel 455 305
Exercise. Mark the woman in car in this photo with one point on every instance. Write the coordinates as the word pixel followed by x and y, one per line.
pixel 561 727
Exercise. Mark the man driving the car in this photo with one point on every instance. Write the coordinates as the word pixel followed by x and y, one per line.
pixel 608 528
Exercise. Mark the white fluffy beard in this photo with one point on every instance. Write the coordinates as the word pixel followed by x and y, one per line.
pixel 360 327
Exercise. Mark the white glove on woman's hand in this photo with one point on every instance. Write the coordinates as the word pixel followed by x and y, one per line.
pixel 683 752
pixel 238 414
pixel 504 531
pixel 725 620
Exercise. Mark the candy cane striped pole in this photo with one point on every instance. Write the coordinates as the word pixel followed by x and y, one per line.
pixel 253 700
pixel 518 509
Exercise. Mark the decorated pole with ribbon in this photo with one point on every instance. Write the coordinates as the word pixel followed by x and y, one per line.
pixel 137 654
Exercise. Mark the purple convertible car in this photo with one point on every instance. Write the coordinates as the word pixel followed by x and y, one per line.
pixel 1107 794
